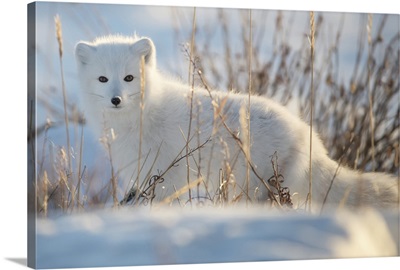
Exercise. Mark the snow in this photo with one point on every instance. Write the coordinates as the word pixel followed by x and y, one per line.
pixel 167 236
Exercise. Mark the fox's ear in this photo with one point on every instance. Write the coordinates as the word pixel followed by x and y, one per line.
pixel 84 52
pixel 145 47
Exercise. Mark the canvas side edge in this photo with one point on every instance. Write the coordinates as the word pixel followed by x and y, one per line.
pixel 31 138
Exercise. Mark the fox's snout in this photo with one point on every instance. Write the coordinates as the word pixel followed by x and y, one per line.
pixel 116 100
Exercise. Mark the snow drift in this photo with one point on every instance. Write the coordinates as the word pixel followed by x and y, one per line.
pixel 138 236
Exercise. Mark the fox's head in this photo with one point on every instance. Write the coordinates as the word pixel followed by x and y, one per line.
pixel 110 69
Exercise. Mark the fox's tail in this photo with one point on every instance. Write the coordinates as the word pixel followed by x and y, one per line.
pixel 336 185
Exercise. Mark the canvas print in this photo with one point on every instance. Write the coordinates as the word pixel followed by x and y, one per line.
pixel 162 135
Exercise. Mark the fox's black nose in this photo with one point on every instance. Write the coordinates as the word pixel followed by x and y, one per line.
pixel 116 100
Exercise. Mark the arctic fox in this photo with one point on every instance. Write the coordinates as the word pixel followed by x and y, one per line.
pixel 186 144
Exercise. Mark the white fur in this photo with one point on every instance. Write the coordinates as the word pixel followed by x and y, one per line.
pixel 166 118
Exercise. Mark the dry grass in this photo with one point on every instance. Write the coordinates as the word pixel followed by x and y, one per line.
pixel 191 85
pixel 312 95
pixel 366 143
pixel 342 108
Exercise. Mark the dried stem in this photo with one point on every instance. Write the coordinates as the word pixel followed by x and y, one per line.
pixel 336 172
pixel 46 193
pixel 247 145
pixel 370 98
pixel 191 83
pixel 69 174
pixel 142 92
pixel 113 175
pixel 312 43
pixel 80 170
pixel 60 50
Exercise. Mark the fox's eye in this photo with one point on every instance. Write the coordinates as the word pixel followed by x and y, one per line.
pixel 103 79
pixel 128 78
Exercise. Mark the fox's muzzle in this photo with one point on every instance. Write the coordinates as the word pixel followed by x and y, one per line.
pixel 116 100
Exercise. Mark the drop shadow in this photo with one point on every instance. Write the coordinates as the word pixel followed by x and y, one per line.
pixel 20 261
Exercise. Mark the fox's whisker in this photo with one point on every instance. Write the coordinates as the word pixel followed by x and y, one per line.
pixel 96 95
pixel 134 94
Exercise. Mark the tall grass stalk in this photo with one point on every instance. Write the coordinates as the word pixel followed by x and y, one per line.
pixel 191 83
pixel 69 174
pixel 80 174
pixel 107 140
pixel 370 98
pixel 46 193
pixel 60 50
pixel 142 90
pixel 248 146
pixel 312 44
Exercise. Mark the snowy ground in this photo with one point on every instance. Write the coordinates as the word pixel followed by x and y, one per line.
pixel 128 237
